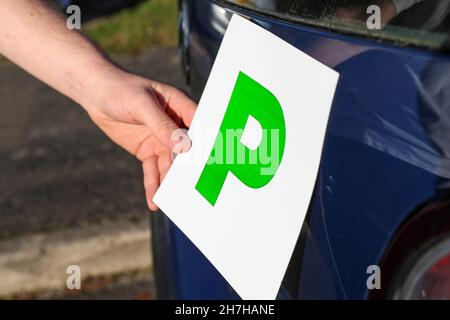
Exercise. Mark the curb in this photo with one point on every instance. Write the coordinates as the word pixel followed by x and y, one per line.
pixel 39 261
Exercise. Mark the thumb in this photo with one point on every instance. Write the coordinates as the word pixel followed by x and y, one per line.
pixel 160 124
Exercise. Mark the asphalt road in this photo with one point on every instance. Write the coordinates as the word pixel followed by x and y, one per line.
pixel 57 169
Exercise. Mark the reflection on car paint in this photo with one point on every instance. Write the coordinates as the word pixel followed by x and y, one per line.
pixel 385 154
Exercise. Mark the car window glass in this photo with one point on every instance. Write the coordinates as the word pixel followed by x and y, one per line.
pixel 411 22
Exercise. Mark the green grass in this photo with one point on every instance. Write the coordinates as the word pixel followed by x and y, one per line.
pixel 131 31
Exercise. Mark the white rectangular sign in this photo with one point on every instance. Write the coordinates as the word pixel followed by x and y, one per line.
pixel 241 193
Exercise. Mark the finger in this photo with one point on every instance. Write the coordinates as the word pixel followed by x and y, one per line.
pixel 183 106
pixel 159 123
pixel 164 163
pixel 151 180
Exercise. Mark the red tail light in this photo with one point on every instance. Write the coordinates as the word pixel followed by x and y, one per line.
pixel 428 277
pixel 435 283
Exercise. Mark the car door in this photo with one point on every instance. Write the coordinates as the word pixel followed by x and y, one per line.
pixel 385 155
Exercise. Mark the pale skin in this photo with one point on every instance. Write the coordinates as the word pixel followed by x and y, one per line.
pixel 138 114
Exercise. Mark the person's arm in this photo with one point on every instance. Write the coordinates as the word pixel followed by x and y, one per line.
pixel 131 110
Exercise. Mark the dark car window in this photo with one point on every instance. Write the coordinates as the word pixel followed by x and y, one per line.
pixel 423 23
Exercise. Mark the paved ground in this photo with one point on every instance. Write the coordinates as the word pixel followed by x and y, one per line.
pixel 58 171
pixel 129 286
pixel 34 264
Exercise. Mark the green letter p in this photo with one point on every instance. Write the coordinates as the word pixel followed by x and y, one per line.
pixel 249 98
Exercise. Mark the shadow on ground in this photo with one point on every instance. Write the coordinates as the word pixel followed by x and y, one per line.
pixel 58 169
pixel 60 172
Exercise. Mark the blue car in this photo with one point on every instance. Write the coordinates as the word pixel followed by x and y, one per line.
pixel 381 203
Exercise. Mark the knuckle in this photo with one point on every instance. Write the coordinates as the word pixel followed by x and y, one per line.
pixel 165 125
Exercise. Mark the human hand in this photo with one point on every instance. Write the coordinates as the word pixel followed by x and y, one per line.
pixel 138 114
pixel 141 115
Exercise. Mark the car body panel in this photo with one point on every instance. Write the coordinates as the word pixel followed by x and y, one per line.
pixel 384 156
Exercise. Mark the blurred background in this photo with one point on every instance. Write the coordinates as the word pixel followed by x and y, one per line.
pixel 69 196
